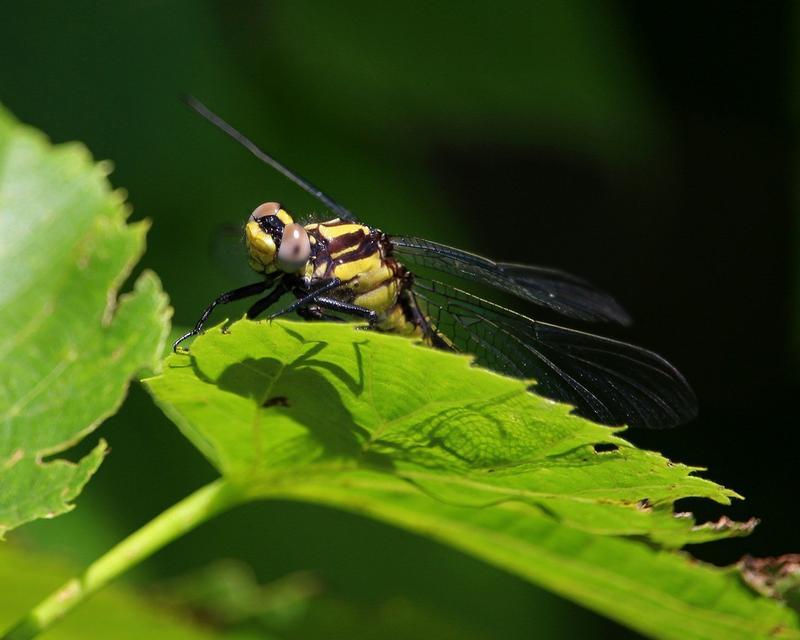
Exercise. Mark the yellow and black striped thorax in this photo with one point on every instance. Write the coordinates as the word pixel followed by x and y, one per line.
pixel 360 257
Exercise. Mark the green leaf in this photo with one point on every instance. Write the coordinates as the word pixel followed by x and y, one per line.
pixel 69 347
pixel 116 613
pixel 373 424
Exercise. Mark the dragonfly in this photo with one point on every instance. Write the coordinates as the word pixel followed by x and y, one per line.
pixel 341 268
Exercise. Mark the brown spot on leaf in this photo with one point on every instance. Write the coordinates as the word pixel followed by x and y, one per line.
pixel 726 524
pixel 14 459
pixel 777 577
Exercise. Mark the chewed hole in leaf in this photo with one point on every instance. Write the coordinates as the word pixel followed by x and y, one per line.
pixel 605 447
pixel 73 454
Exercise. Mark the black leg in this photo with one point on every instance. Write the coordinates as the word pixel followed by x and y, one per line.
pixel 313 312
pixel 308 298
pixel 346 307
pixel 265 303
pixel 225 298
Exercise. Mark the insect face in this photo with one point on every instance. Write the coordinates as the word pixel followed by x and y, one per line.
pixel 275 241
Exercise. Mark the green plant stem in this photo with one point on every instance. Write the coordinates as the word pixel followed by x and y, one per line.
pixel 179 519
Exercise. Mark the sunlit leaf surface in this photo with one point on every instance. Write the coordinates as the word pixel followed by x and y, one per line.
pixel 374 424
pixel 69 346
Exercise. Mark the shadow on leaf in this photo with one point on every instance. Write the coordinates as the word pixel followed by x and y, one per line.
pixel 299 391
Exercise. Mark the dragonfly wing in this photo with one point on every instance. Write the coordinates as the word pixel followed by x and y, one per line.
pixel 606 380
pixel 550 288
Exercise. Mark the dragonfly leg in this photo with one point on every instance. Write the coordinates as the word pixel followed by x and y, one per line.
pixel 346 307
pixel 313 312
pixel 225 298
pixel 308 298
pixel 266 302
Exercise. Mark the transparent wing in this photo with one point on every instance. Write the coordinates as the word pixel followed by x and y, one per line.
pixel 550 288
pixel 606 380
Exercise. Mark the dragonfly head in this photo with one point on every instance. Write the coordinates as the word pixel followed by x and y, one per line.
pixel 275 241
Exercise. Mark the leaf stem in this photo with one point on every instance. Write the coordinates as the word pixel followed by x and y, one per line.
pixel 179 519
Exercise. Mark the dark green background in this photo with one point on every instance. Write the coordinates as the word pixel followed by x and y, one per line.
pixel 650 149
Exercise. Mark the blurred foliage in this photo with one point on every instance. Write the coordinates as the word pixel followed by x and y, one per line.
pixel 644 147
pixel 777 578
pixel 114 613
pixel 227 596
